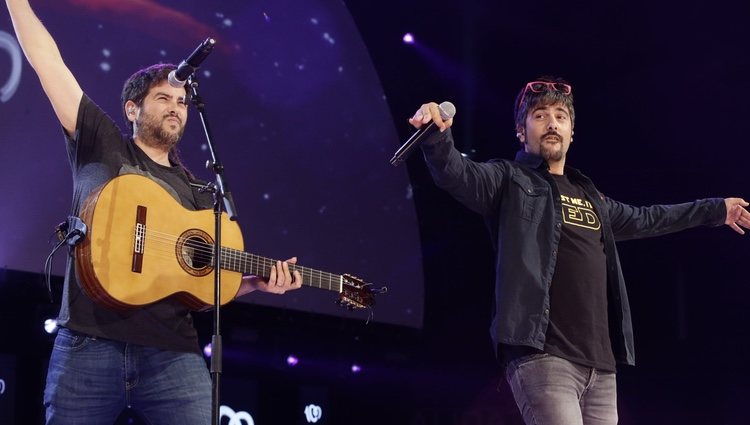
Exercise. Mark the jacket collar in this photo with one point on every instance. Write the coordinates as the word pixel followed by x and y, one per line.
pixel 537 162
pixel 529 159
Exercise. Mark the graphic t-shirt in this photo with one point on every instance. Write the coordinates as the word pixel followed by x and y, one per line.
pixel 579 327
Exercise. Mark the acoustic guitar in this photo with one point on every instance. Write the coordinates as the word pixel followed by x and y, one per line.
pixel 143 246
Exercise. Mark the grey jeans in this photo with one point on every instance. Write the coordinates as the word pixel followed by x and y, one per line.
pixel 550 390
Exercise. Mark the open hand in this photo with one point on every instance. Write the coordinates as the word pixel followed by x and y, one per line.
pixel 737 216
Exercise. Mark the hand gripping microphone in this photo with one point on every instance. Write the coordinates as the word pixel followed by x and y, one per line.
pixel 447 111
pixel 186 68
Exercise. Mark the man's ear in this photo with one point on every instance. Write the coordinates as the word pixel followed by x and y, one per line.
pixel 521 134
pixel 130 110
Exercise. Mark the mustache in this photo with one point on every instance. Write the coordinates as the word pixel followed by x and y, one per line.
pixel 171 115
pixel 552 134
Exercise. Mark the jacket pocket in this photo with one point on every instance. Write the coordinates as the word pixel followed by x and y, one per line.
pixel 533 198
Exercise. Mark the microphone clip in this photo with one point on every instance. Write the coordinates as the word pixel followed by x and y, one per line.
pixel 71 231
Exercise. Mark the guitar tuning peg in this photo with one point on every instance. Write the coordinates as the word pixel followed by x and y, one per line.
pixel 346 304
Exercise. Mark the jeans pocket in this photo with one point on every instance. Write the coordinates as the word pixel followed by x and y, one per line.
pixel 68 340
pixel 519 362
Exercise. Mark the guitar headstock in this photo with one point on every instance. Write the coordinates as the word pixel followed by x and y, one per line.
pixel 355 293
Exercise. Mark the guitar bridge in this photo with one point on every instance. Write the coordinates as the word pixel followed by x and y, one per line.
pixel 140 239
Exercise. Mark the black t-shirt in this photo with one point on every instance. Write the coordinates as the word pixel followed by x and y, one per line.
pixel 98 152
pixel 579 328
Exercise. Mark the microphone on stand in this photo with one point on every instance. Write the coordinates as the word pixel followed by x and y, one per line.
pixel 178 77
pixel 447 111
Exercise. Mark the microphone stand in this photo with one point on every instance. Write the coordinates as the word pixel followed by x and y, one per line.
pixel 222 197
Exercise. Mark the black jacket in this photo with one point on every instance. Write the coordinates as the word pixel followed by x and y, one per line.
pixel 522 208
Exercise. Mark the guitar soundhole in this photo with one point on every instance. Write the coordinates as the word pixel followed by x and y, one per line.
pixel 194 252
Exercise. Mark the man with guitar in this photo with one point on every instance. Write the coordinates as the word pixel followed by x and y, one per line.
pixel 146 357
pixel 562 320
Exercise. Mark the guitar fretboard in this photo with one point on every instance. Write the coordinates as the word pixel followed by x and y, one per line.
pixel 246 263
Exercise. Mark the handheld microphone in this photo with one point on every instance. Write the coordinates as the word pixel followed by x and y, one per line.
pixel 186 68
pixel 447 111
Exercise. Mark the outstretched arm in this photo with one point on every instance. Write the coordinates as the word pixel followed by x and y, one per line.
pixel 474 184
pixel 737 216
pixel 41 51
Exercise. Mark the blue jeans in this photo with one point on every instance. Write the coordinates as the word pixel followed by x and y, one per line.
pixel 553 391
pixel 91 380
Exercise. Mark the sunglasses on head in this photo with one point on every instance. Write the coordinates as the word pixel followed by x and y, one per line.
pixel 542 86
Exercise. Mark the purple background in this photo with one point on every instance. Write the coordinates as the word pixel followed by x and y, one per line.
pixel 300 121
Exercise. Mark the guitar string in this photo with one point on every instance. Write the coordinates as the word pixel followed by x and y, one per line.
pixel 166 250
pixel 207 250
pixel 233 256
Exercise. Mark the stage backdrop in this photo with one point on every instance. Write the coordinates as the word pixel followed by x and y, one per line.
pixel 298 114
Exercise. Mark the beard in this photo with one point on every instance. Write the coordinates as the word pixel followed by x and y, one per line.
pixel 152 132
pixel 551 152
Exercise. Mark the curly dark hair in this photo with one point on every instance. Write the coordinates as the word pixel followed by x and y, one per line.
pixel 137 86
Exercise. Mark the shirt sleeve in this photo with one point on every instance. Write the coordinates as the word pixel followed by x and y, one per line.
pixel 477 185
pixel 93 126
pixel 629 222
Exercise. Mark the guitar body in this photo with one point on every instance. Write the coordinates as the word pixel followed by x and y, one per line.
pixel 143 246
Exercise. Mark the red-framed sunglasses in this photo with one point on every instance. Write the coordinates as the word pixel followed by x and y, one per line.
pixel 541 86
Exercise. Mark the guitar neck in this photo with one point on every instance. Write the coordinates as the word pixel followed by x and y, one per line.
pixel 247 263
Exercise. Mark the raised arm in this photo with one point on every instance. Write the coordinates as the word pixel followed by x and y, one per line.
pixel 40 49
pixel 474 184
